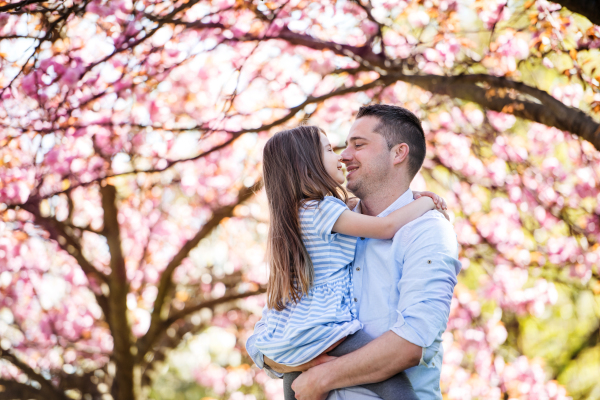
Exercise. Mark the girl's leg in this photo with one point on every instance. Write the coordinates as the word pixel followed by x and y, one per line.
pixel 287 385
pixel 394 388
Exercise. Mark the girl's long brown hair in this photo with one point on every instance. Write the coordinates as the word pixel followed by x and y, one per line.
pixel 294 173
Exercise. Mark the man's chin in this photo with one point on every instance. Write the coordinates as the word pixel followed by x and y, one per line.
pixel 353 187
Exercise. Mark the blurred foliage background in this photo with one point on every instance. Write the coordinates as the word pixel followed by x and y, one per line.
pixel 133 228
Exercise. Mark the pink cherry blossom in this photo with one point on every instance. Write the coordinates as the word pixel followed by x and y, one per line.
pixel 130 155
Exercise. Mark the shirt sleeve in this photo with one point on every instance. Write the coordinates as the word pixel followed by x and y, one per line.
pixel 429 250
pixel 325 214
pixel 253 351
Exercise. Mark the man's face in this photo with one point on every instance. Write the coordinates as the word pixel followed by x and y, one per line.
pixel 367 157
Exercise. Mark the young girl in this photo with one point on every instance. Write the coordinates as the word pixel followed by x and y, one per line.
pixel 311 243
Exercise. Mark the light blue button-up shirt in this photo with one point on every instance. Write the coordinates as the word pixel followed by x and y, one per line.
pixel 405 285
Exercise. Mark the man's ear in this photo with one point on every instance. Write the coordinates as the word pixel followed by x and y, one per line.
pixel 400 153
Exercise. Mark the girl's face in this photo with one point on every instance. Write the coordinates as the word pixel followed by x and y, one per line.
pixel 332 162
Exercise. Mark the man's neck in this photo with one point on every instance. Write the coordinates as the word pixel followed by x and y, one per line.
pixel 377 202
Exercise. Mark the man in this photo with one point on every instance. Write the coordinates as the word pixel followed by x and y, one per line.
pixel 403 286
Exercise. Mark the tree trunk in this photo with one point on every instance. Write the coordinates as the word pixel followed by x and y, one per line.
pixel 123 384
pixel 588 8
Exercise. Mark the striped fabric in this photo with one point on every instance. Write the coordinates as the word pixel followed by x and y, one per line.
pixel 304 330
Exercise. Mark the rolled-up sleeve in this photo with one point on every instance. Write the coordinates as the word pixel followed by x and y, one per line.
pixel 429 250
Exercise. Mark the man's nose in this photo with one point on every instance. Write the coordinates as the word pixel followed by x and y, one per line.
pixel 345 156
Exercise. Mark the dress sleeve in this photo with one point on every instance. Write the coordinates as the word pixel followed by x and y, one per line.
pixel 325 215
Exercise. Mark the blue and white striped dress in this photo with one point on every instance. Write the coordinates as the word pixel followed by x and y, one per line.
pixel 326 314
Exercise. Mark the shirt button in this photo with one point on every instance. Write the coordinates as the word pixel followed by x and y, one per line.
pixel 362 238
pixel 358 268
pixel 355 299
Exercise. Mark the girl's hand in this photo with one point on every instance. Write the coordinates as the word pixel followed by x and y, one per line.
pixel 352 202
pixel 440 203
pixel 445 214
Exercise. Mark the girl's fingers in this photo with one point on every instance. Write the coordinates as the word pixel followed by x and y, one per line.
pixel 438 201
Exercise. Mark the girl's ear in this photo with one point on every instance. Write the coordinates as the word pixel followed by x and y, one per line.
pixel 400 152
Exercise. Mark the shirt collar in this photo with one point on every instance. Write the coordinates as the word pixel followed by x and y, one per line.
pixel 401 201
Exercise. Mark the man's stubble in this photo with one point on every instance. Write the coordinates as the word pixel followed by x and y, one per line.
pixel 374 181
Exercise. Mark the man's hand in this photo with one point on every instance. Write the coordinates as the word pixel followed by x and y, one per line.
pixel 307 386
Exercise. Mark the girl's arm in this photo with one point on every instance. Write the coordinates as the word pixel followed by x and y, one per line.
pixel 359 225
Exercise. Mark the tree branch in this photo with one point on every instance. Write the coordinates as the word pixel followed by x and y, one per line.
pixel 234 136
pixel 588 8
pixel 84 383
pixel 49 32
pixel 192 308
pixel 19 5
pixel 165 283
pixel 58 233
pixel 47 387
pixel 15 390
pixel 550 112
pixel 361 54
pixel 587 343
pixel 184 326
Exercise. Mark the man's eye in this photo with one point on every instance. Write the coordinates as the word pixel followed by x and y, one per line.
pixel 357 145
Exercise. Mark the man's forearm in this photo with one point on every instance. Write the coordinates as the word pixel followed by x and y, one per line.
pixel 382 358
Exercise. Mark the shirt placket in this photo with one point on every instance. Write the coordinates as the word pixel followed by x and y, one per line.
pixel 357 269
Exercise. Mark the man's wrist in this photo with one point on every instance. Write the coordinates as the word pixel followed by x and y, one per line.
pixel 322 381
